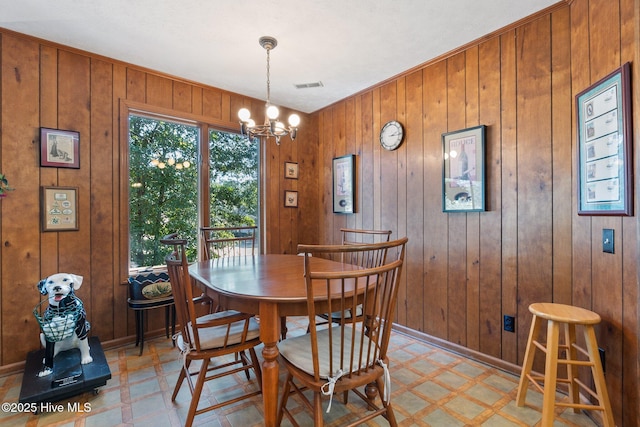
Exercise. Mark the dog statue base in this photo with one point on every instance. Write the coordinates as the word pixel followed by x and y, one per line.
pixel 71 377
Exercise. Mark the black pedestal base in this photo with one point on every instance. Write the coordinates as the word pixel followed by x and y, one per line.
pixel 69 377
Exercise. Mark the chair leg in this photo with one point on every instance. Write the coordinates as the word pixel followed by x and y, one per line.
pixel 142 316
pixel 390 416
pixel 527 364
pixel 167 315
pixel 184 371
pixel 550 374
pixel 197 390
pixel 256 366
pixel 317 410
pixel 282 409
pixel 598 376
pixel 138 313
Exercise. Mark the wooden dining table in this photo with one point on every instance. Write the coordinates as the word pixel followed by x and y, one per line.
pixel 270 286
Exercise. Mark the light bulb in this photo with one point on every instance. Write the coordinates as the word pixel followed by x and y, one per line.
pixel 251 123
pixel 179 166
pixel 186 164
pixel 244 114
pixel 272 112
pixel 155 162
pixel 279 126
pixel 294 120
pixel 162 165
pixel 171 161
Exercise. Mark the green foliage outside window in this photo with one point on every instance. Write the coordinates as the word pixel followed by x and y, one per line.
pixel 163 185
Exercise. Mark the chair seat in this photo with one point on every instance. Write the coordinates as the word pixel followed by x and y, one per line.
pixel 144 304
pixel 296 351
pixel 215 336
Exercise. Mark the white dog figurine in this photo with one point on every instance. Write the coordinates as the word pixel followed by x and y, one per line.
pixel 64 324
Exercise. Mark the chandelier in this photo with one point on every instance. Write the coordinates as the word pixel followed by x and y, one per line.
pixel 271 127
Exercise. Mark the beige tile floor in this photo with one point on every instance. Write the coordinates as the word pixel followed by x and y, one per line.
pixel 430 387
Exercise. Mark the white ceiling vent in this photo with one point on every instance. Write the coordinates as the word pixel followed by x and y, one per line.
pixel 308 85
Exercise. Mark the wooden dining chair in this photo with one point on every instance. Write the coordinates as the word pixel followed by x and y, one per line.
pixel 228 242
pixel 204 338
pixel 368 258
pixel 343 357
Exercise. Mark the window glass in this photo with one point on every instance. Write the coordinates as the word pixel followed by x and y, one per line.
pixel 233 179
pixel 163 187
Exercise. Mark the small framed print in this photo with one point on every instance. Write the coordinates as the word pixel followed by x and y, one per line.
pixel 605 162
pixel 344 183
pixel 290 199
pixel 59 208
pixel 463 170
pixel 290 170
pixel 59 148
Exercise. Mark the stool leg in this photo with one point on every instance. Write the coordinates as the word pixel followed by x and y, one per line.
pixel 572 370
pixel 550 374
pixel 598 375
pixel 527 363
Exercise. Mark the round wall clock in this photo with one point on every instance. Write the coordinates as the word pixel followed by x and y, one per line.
pixel 391 135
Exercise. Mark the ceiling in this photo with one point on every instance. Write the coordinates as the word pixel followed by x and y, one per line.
pixel 348 45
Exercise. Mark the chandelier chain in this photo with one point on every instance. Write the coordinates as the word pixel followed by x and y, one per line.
pixel 268 79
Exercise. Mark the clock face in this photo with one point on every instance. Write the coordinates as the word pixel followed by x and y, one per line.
pixel 391 135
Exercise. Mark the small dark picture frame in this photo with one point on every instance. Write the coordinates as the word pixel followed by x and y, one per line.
pixel 59 148
pixel 290 170
pixel 463 170
pixel 290 199
pixel 59 208
pixel 344 184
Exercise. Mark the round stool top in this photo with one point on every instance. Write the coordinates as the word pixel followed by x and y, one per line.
pixel 564 313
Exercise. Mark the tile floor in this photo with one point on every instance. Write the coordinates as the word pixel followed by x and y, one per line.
pixel 431 387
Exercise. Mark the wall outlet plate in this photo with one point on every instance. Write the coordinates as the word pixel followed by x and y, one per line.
pixel 509 323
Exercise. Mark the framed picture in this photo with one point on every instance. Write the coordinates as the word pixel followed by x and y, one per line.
pixel 463 170
pixel 290 199
pixel 290 170
pixel 59 148
pixel 344 184
pixel 603 113
pixel 59 208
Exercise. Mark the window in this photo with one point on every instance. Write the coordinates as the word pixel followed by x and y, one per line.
pixel 233 179
pixel 163 193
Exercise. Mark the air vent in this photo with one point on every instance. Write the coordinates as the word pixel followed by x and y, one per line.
pixel 308 85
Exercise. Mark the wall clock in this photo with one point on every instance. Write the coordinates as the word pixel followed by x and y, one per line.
pixel 391 135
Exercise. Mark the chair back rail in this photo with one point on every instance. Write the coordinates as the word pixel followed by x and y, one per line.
pixel 224 242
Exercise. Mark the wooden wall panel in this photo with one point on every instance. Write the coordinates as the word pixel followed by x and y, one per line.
pixel 489 318
pixel 20 258
pixel 509 197
pixel 411 294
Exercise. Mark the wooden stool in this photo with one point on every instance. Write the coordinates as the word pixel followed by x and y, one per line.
pixel 568 316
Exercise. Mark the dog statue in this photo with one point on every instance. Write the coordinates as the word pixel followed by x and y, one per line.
pixel 64 323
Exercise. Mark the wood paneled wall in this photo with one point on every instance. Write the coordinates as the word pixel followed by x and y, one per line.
pixel 42 84
pixel 463 272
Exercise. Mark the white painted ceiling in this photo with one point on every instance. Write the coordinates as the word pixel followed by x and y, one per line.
pixel 348 45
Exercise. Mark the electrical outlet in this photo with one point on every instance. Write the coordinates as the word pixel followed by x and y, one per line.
pixel 602 359
pixel 608 242
pixel 509 323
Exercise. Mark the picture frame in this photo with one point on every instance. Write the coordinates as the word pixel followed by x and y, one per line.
pixel 59 208
pixel 605 162
pixel 290 199
pixel 463 170
pixel 344 184
pixel 59 148
pixel 290 170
